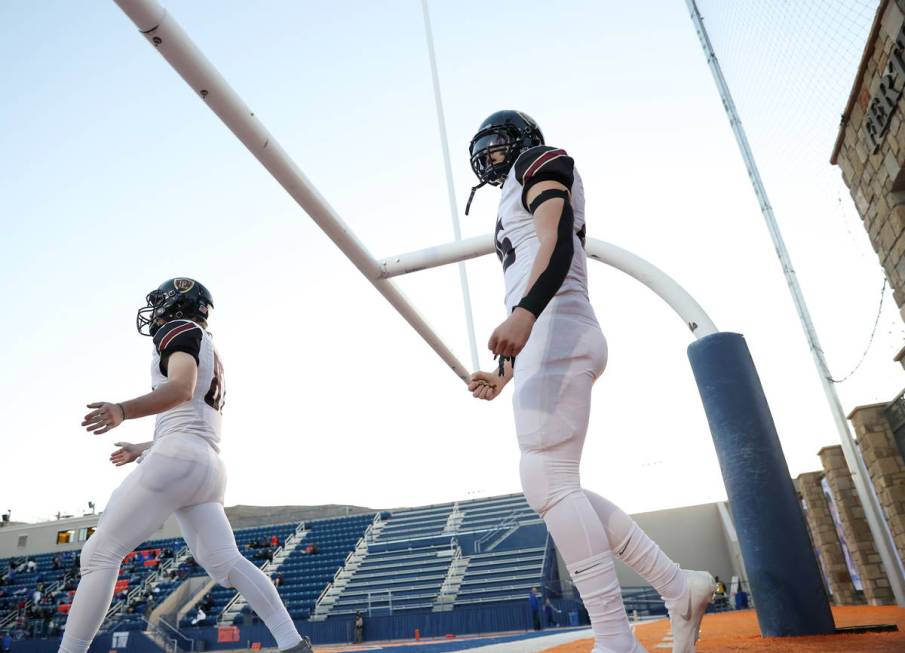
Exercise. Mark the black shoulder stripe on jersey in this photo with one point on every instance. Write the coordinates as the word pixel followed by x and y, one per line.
pixel 551 279
pixel 544 163
pixel 178 335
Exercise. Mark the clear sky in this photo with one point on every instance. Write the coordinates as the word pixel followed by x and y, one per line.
pixel 114 176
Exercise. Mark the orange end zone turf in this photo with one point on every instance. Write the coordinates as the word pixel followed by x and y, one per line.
pixel 731 632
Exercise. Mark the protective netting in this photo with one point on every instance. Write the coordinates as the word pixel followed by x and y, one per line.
pixel 790 66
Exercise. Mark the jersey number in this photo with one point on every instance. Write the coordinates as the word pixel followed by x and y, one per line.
pixel 217 392
pixel 504 250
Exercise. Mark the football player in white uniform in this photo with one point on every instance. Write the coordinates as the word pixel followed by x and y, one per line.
pixel 552 347
pixel 180 471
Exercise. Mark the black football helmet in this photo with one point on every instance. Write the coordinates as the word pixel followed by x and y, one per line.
pixel 507 132
pixel 174 299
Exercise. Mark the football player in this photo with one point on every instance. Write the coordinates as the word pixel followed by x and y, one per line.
pixel 552 347
pixel 180 471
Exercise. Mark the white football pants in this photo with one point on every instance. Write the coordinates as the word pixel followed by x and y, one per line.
pixel 179 474
pixel 552 401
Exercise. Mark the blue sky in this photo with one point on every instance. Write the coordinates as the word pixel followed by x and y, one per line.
pixel 114 176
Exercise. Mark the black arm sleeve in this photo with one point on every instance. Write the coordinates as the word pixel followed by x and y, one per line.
pixel 543 163
pixel 550 280
pixel 178 335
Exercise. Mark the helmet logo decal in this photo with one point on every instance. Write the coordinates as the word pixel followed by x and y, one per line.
pixel 183 285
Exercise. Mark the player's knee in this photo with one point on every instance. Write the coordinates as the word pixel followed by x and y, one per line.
pixel 546 482
pixel 101 552
pixel 219 563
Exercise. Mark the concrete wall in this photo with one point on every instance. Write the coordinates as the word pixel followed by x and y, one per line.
pixel 693 536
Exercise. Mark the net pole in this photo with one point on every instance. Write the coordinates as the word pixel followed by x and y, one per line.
pixel 453 207
pixel 873 512
pixel 172 42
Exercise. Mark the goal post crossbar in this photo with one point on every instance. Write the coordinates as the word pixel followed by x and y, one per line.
pixel 633 265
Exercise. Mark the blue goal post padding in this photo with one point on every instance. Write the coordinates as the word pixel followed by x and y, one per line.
pixel 782 569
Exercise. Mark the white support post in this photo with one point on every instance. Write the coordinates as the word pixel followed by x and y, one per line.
pixel 166 35
pixel 651 276
pixel 450 188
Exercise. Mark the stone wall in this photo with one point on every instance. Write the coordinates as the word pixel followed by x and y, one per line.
pixel 825 540
pixel 855 529
pixel 870 148
pixel 884 465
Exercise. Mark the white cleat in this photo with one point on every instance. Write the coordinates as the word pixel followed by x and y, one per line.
pixel 686 613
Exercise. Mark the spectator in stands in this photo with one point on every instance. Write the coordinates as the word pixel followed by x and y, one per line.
pixel 551 612
pixel 56 562
pixel 6 644
pixel 534 605
pixel 36 596
pixel 199 616
pixel 359 625
pixel 274 541
pixel 278 580
pixel 30 566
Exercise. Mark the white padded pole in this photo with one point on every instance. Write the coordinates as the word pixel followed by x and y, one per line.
pixel 650 275
pixel 168 37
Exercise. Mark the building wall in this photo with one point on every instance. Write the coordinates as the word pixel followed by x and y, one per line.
pixel 693 536
pixel 826 542
pixel 42 538
pixel 870 148
pixel 856 531
pixel 885 466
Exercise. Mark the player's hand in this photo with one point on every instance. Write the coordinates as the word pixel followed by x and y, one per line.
pixel 126 453
pixel 510 337
pixel 486 385
pixel 104 417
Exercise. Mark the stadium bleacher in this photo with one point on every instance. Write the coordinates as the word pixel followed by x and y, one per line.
pixel 460 556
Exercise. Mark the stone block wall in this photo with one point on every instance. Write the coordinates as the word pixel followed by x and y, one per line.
pixel 825 540
pixel 856 531
pixel 870 148
pixel 884 465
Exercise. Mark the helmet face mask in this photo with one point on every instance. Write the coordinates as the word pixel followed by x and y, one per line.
pixel 179 298
pixel 493 151
pixel 502 137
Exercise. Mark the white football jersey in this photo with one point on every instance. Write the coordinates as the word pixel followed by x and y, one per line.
pixel 516 238
pixel 202 415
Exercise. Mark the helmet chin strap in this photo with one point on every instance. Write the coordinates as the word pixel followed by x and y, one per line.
pixel 471 196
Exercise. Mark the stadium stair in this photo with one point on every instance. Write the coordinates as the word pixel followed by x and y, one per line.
pixel 334 589
pixel 445 600
pixel 235 605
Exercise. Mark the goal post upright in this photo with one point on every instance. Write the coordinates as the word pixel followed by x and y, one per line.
pixel 719 360
pixel 171 41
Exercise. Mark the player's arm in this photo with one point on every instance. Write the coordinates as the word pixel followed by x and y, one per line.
pixel 179 345
pixel 128 452
pixel 179 388
pixel 488 385
pixel 546 175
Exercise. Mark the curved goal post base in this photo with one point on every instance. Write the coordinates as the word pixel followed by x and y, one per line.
pixel 782 569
